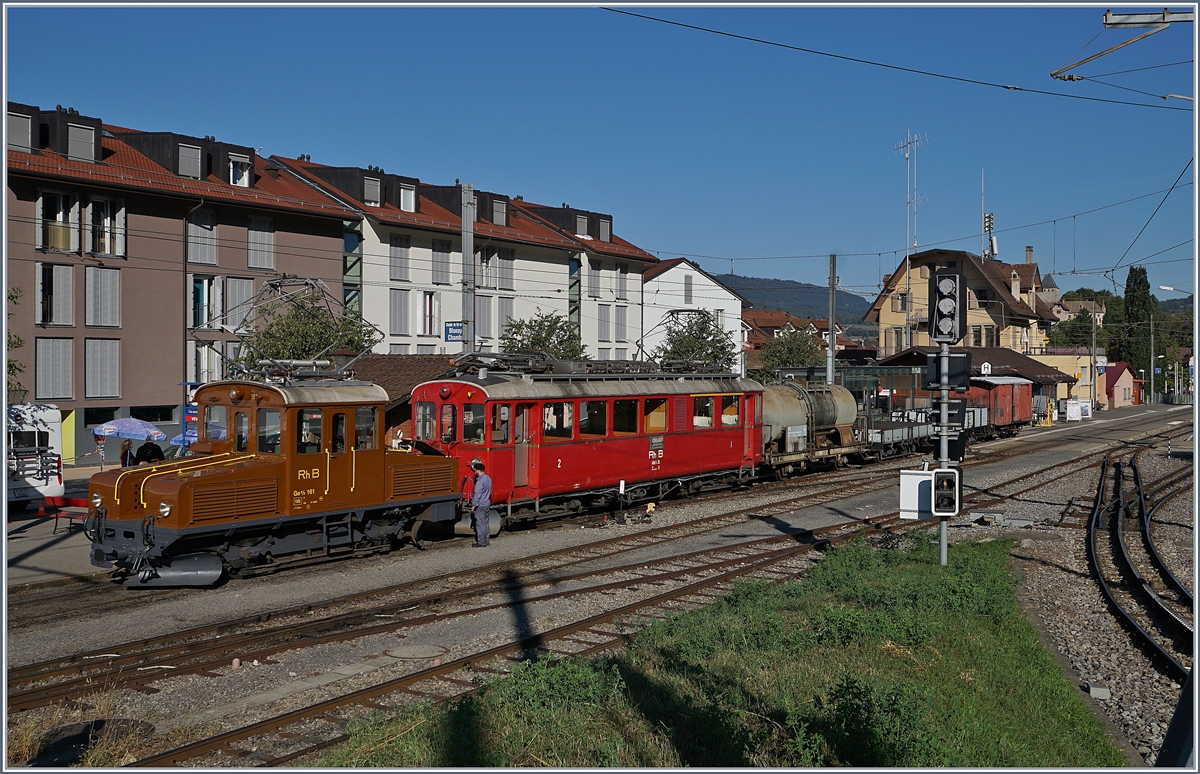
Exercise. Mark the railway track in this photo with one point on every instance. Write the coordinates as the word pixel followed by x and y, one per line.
pixel 1122 558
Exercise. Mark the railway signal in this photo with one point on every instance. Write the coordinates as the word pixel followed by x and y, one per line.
pixel 947 306
pixel 946 495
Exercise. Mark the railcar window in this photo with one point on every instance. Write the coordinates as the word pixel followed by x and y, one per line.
pixel 214 423
pixel 702 411
pixel 557 420
pixel 308 431
pixel 268 431
pixel 757 409
pixel 241 431
pixel 624 417
pixel 593 417
pixel 729 409
pixel 449 423
pixel 500 415
pixel 654 414
pixel 339 433
pixel 364 428
pixel 425 422
pixel 473 423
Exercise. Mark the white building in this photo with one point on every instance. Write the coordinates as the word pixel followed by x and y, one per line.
pixel 679 284
pixel 403 266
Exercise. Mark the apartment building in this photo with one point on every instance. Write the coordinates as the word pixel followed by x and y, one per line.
pixel 679 284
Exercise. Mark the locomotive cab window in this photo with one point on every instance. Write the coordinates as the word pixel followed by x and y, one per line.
pixel 241 432
pixel 500 415
pixel 702 411
pixel 624 417
pixel 268 431
pixel 425 421
pixel 214 423
pixel 593 418
pixel 338 436
pixel 473 423
pixel 556 420
pixel 449 423
pixel 308 431
pixel 729 410
pixel 364 428
pixel 654 413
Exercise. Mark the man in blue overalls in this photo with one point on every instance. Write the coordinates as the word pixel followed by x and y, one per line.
pixel 481 503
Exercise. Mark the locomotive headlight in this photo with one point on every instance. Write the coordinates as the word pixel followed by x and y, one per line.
pixel 97 500
pixel 164 508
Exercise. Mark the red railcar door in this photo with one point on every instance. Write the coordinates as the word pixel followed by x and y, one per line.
pixel 522 436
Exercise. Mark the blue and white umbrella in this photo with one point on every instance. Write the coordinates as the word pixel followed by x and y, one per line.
pixel 188 437
pixel 128 427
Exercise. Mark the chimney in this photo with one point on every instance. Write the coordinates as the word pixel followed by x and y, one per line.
pixel 1028 253
pixel 1015 283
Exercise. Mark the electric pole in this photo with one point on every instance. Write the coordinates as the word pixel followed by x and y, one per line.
pixel 832 342
pixel 468 268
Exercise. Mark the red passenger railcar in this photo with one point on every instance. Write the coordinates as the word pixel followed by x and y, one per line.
pixel 556 443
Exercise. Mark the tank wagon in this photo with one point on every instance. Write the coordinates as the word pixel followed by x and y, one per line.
pixel 284 473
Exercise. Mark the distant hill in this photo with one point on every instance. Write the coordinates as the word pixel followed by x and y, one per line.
pixel 799 298
pixel 1175 305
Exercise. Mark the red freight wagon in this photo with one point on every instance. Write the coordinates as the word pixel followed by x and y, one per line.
pixel 556 443
pixel 1008 399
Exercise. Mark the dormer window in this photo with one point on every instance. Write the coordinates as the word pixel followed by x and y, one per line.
pixel 189 161
pixel 371 196
pixel 605 230
pixel 500 213
pixel 81 143
pixel 239 170
pixel 408 198
pixel 580 225
pixel 19 132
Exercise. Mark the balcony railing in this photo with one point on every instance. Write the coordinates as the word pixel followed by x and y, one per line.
pixel 56 235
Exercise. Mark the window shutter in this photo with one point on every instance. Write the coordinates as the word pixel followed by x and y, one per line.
pixel 73 220
pixel 53 377
pixel 261 243
pixel 602 322
pixel 39 214
pixel 119 230
pixel 437 314
pixel 88 213
pixel 216 311
pixel 505 313
pixel 39 311
pixel 622 281
pixel 687 288
pixel 622 323
pixel 396 311
pixel 62 300
pixel 191 361
pixel 485 317
pixel 191 302
pixel 111 297
pixel 398 258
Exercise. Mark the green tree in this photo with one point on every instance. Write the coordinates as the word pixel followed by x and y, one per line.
pixel 788 350
pixel 1076 332
pixel 1140 307
pixel 304 328
pixel 545 331
pixel 696 337
pixel 15 342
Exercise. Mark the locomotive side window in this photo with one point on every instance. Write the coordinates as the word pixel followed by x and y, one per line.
pixel 655 415
pixel 624 417
pixel 241 431
pixel 702 411
pixel 339 433
pixel 425 421
pixel 308 431
pixel 449 423
pixel 729 409
pixel 364 427
pixel 473 422
pixel 593 418
pixel 268 431
pixel 557 420
pixel 214 423
pixel 500 416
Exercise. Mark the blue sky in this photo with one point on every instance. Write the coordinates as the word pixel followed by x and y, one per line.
pixel 697 144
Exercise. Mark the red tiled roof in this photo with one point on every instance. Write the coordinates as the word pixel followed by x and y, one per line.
pixel 1113 372
pixel 125 167
pixel 658 268
pixel 618 247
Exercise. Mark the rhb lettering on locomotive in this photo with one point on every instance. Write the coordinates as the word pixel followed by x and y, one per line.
pixel 309 474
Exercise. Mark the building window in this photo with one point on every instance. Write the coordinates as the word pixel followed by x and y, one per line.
pixel 19 136
pixel 60 222
pixel 52 377
pixel 239 170
pixel 687 288
pixel 398 258
pixel 260 243
pixel 351 267
pixel 189 161
pixel 204 304
pixel 506 259
pixel 426 349
pixel 504 313
pixel 371 196
pixel 398 311
pixel 622 325
pixel 581 225
pixel 605 230
pixel 620 353
pixel 622 281
pixel 102 296
pixel 441 262
pixel 486 267
pixel 719 318
pixel 102 368
pixel 499 212
pixel 55 293
pixel 81 143
pixel 593 278
pixel 204 362
pixel 233 351
pixel 98 416
pixel 106 226
pixel 408 198
pixel 430 310
pixel 398 349
pixel 602 353
pixel 899 302
pixel 240 293
pixel 165 414
pixel 483 313
pixel 202 237
pixel 603 322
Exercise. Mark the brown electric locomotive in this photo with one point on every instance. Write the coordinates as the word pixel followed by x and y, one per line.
pixel 286 472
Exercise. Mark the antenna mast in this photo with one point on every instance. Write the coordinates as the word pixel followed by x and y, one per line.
pixel 909 146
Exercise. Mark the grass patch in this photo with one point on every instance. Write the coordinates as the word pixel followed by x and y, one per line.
pixel 875 658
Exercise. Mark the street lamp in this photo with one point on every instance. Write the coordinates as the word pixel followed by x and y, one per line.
pixel 1176 290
